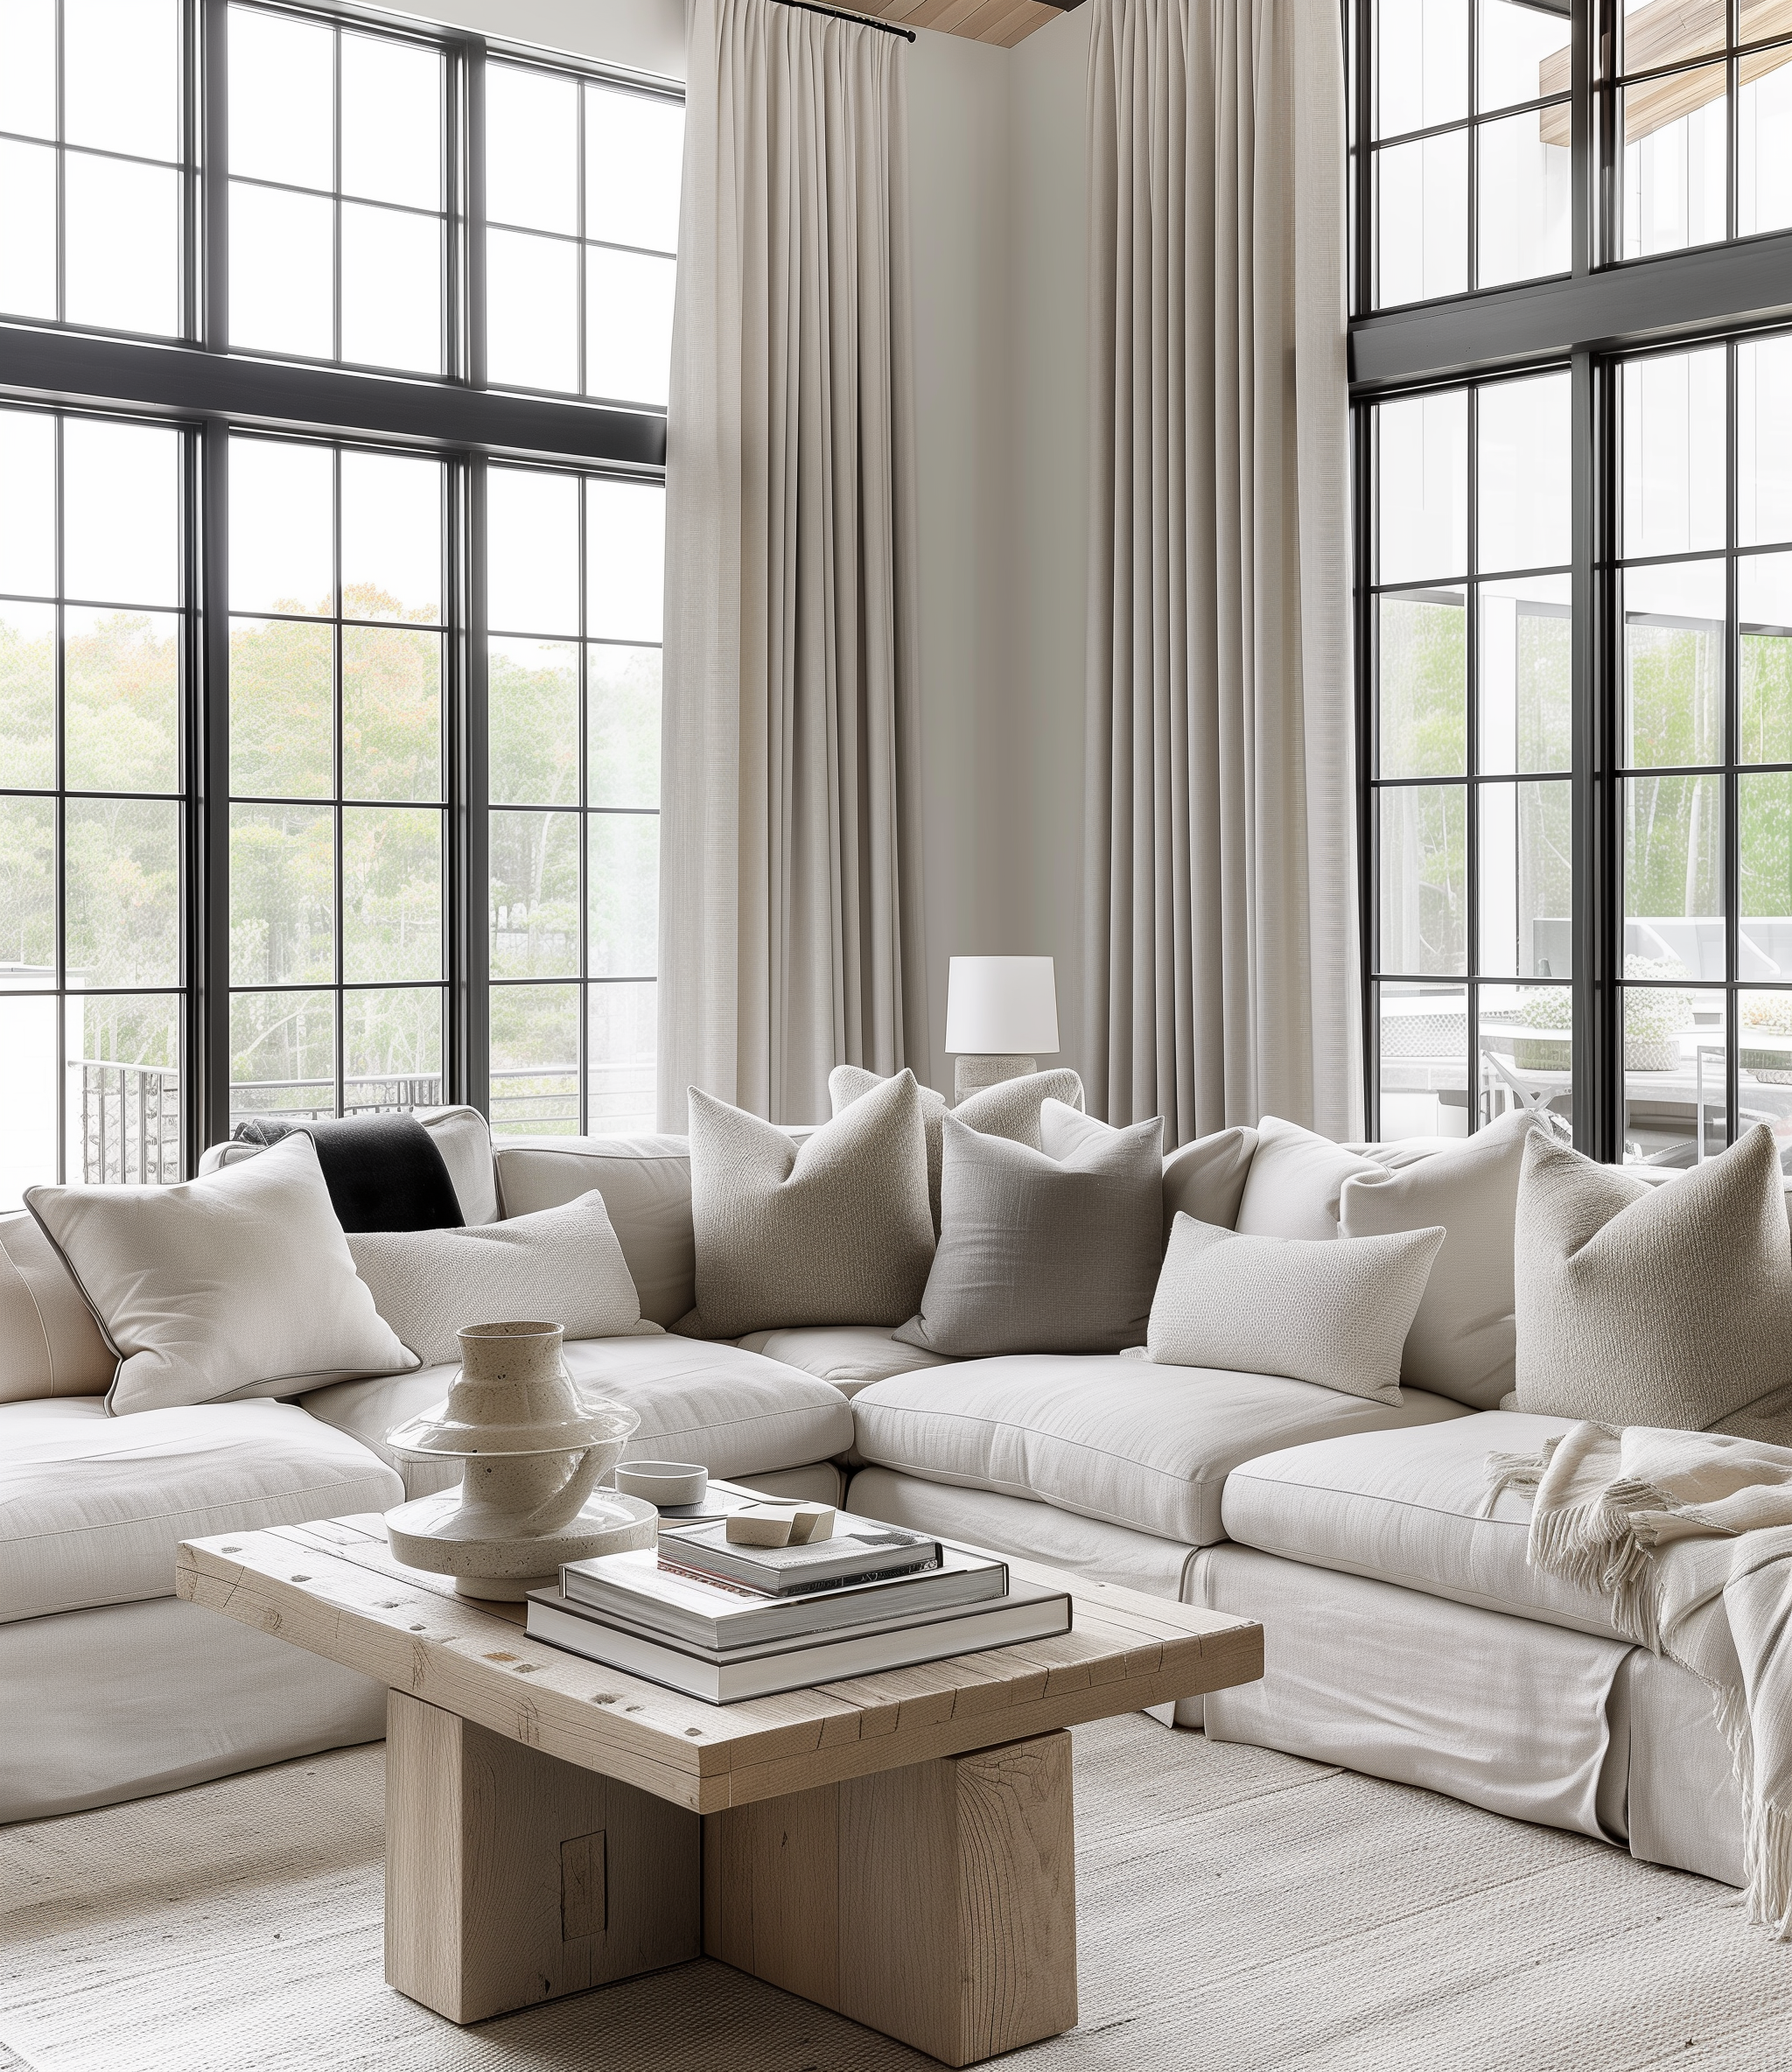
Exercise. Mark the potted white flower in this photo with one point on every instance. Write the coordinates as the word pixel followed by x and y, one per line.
pixel 1653 1020
pixel 1767 1015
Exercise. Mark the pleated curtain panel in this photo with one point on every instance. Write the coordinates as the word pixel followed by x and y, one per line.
pixel 790 896
pixel 1221 878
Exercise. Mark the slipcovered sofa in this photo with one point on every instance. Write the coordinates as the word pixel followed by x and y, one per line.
pixel 1404 1633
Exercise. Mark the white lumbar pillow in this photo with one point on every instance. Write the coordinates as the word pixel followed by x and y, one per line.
pixel 562 1266
pixel 1334 1311
pixel 237 1283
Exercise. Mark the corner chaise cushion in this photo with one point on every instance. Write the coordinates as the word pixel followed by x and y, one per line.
pixel 1106 1436
pixel 92 1507
pixel 1412 1508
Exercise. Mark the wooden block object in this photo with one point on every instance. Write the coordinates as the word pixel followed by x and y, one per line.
pixel 936 1902
pixel 512 1878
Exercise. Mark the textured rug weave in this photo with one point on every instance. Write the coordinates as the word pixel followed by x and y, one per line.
pixel 1238 1911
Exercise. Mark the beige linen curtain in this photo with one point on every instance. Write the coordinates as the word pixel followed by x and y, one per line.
pixel 1220 884
pixel 789 931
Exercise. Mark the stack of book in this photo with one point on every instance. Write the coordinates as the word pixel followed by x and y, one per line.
pixel 723 1622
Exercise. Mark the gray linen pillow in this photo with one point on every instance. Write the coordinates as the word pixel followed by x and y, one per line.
pixel 1334 1311
pixel 832 1230
pixel 1668 1306
pixel 1043 1255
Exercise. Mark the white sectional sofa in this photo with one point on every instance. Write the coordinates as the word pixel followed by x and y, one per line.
pixel 1404 1633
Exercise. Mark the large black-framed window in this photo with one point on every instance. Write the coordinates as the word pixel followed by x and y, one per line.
pixel 324 649
pixel 1590 921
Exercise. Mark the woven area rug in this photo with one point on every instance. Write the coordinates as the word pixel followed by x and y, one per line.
pixel 1237 1910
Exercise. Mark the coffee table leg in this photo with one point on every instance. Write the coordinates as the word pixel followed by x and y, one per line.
pixel 936 1903
pixel 512 1877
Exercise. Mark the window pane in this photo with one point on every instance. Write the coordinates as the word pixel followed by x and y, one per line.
pixel 28 78
pixel 281 296
pixel 1423 1060
pixel 283 1053
pixel 392 1049
pixel 27 696
pixel 27 894
pixel 121 701
pixel 1764 832
pixel 121 520
pixel 28 1058
pixel 27 229
pixel 1764 441
pixel 1674 875
pixel 1675 132
pixel 27 503
pixel 622 895
pixel 1424 879
pixel 1764 604
pixel 1421 219
pixel 280 709
pixel 1524 473
pixel 121 879
pixel 1527 1049
pixel 282 531
pixel 391 894
pixel 391 121
pixel 280 100
pixel 534 914
pixel 391 713
pixel 1422 64
pixel 531 149
pixel 622 726
pixel 1422 486
pixel 1656 35
pixel 1524 199
pixel 1526 879
pixel 391 537
pixel 283 885
pixel 625 560
pixel 1674 1047
pixel 122 254
pixel 533 703
pixel 628 326
pixel 391 289
pixel 125 1088
pixel 532 531
pixel 1674 663
pixel 1526 673
pixel 622 1060
pixel 1525 53
pixel 1764 143
pixel 1423 675
pixel 532 311
pixel 121 75
pixel 634 147
pixel 1764 1037
pixel 535 1061
pixel 1673 453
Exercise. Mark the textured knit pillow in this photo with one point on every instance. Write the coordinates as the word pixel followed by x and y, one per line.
pixel 1294 1183
pixel 1668 1306
pixel 562 1266
pixel 834 1230
pixel 237 1283
pixel 1045 1251
pixel 1334 1310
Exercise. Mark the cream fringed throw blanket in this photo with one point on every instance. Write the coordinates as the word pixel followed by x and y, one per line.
pixel 1688 1537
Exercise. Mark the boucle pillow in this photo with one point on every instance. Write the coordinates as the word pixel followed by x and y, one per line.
pixel 1009 1108
pixel 561 1264
pixel 1334 1311
pixel 1294 1182
pixel 1460 1343
pixel 833 1230
pixel 1668 1306
pixel 1054 1250
pixel 237 1283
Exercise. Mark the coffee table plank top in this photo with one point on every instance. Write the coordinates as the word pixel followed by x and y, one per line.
pixel 334 1588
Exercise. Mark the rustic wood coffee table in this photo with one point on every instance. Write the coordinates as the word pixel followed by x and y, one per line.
pixel 898 1848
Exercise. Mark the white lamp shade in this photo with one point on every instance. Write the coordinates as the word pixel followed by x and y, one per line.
pixel 996 1005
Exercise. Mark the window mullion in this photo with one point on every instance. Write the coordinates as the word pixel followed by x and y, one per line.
pixel 469 787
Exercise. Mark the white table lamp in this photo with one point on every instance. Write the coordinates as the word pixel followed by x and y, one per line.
pixel 1001 1013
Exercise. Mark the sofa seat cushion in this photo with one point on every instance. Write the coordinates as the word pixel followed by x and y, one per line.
pixel 852 1356
pixel 1107 1437
pixel 92 1507
pixel 737 1413
pixel 1412 1508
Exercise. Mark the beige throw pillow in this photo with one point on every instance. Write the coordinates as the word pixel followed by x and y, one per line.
pixel 833 1230
pixel 1334 1311
pixel 1295 1180
pixel 562 1266
pixel 236 1284
pixel 49 1342
pixel 1206 1180
pixel 1668 1306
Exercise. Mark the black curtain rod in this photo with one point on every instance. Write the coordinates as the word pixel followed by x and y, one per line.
pixel 839 14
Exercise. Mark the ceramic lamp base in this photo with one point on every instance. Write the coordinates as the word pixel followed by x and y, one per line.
pixel 972 1075
pixel 432 1533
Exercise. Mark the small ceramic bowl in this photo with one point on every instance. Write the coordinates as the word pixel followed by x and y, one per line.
pixel 664 1482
